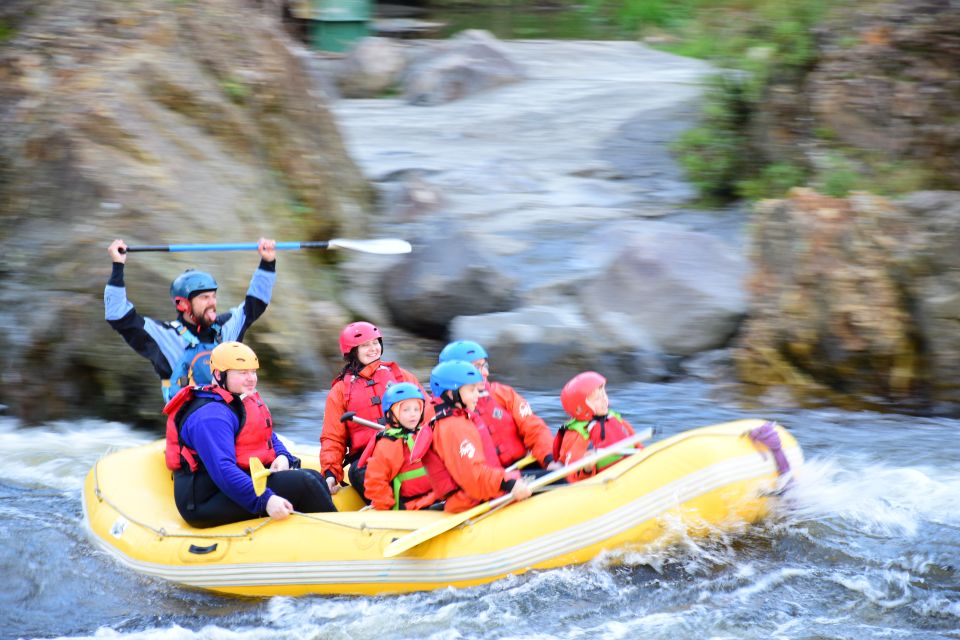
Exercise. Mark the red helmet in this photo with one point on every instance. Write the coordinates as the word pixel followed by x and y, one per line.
pixel 356 333
pixel 573 397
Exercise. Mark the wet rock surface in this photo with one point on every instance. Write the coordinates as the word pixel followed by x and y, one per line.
pixel 855 302
pixel 530 195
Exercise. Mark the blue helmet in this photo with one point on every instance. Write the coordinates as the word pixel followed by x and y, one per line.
pixel 466 350
pixel 399 392
pixel 191 282
pixel 451 375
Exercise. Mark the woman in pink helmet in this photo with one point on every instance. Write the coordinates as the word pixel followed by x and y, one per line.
pixel 359 389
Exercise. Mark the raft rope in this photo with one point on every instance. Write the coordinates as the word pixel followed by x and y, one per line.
pixel 761 431
pixel 248 532
pixel 765 434
pixel 163 533
pixel 363 526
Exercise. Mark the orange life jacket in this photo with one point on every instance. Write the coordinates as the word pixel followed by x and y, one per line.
pixel 411 481
pixel 443 483
pixel 254 436
pixel 490 450
pixel 440 479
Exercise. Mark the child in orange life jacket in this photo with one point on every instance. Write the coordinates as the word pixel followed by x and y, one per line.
pixel 394 480
pixel 461 461
pixel 359 388
pixel 516 430
pixel 593 425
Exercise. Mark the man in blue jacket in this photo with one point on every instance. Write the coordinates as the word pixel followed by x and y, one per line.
pixel 180 349
pixel 214 431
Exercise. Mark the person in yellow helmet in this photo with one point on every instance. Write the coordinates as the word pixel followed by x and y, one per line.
pixel 213 431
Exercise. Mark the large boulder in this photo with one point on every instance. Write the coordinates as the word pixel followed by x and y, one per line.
pixel 446 276
pixel 372 68
pixel 668 290
pixel 170 123
pixel 855 302
pixel 541 347
pixel 470 62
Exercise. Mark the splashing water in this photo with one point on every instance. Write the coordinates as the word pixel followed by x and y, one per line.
pixel 865 545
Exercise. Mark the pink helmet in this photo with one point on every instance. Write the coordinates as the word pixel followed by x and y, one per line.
pixel 573 397
pixel 356 333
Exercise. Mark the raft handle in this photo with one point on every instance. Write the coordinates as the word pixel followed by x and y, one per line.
pixel 203 550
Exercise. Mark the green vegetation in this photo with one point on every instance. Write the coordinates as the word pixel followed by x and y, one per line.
pixel 757 42
pixel 764 47
pixel 235 90
pixel 760 42
pixel 7 31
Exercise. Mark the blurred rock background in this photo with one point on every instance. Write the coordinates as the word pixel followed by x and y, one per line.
pixel 159 123
pixel 805 255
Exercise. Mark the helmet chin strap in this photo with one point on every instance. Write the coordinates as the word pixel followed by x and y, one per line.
pixel 454 398
pixel 221 380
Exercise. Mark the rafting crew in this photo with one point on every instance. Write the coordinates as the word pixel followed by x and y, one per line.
pixel 180 349
pixel 459 456
pixel 515 429
pixel 358 389
pixel 212 433
pixel 593 425
pixel 394 478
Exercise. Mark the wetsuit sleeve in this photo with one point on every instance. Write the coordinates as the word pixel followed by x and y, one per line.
pixel 533 430
pixel 382 467
pixel 258 297
pixel 281 450
pixel 211 432
pixel 152 340
pixel 428 409
pixel 458 445
pixel 333 438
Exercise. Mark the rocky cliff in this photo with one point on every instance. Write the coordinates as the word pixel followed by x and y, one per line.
pixel 856 302
pixel 157 122
pixel 880 101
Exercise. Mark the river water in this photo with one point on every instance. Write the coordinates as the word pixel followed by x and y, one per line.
pixel 866 546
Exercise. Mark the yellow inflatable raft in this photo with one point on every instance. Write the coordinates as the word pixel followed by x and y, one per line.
pixel 702 480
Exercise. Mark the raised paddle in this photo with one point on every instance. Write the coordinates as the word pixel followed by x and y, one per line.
pixel 352 417
pixel 383 246
pixel 433 530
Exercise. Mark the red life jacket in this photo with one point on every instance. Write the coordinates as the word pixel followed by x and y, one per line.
pixel 363 397
pixel 600 433
pixel 411 480
pixel 490 450
pixel 441 481
pixel 254 437
pixel 503 428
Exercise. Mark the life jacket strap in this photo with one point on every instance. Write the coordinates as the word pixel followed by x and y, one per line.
pixel 400 478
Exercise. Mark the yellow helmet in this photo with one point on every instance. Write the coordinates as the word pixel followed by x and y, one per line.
pixel 233 356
